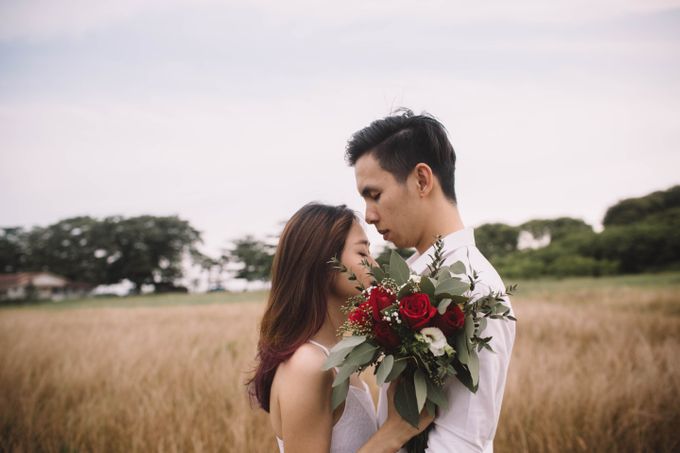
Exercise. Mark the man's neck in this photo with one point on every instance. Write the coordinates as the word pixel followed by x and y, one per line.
pixel 447 220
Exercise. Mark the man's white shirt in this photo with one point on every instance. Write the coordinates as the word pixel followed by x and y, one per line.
pixel 469 423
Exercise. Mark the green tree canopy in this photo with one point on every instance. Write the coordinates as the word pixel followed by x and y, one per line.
pixel 13 247
pixel 69 248
pixel 148 249
pixel 496 239
pixel 143 249
pixel 255 255
pixel 633 210
pixel 558 228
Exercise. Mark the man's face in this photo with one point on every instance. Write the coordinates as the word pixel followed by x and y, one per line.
pixel 392 207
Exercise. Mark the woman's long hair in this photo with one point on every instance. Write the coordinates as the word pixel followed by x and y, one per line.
pixel 301 279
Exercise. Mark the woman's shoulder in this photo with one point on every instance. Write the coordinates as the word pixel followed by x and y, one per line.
pixel 301 382
pixel 306 361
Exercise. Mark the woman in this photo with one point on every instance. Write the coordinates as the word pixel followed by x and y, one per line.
pixel 300 325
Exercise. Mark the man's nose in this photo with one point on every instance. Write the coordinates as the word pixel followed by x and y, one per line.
pixel 371 216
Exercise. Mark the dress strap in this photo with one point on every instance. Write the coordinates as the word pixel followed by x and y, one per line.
pixel 323 348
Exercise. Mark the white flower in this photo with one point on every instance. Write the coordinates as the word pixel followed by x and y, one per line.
pixel 414 278
pixel 436 340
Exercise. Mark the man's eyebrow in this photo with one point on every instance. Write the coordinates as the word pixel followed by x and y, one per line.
pixel 366 191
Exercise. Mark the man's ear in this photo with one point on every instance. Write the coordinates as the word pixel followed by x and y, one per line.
pixel 424 179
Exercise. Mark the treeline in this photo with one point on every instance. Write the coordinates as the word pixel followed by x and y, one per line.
pixel 640 235
pixel 144 249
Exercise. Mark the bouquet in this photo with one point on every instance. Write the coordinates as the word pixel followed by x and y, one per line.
pixel 417 330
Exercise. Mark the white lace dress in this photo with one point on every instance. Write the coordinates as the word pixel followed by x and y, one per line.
pixel 357 423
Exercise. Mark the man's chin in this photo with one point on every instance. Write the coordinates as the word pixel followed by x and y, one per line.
pixel 396 242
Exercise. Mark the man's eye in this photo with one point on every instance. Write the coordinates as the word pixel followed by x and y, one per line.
pixel 376 197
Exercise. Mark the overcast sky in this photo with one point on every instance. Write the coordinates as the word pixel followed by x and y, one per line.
pixel 234 114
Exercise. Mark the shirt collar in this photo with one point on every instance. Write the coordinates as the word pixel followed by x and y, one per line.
pixel 461 238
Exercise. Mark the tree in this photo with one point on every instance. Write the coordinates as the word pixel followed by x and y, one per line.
pixel 148 249
pixel 633 210
pixel 557 229
pixel 13 247
pixel 69 248
pixel 496 239
pixel 144 249
pixel 256 256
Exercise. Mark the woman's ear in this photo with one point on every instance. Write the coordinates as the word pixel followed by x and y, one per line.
pixel 424 179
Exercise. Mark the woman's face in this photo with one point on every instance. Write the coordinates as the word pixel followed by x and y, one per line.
pixel 356 249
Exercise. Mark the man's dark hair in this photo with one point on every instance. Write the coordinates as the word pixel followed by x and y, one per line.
pixel 401 141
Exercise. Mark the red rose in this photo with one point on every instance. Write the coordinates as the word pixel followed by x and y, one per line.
pixel 452 319
pixel 360 315
pixel 416 310
pixel 379 300
pixel 385 335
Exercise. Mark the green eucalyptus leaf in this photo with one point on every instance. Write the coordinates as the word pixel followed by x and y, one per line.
pixel 399 270
pixel 431 408
pixel 473 366
pixel 405 402
pixel 461 347
pixel 343 373
pixel 452 287
pixel 341 350
pixel 458 268
pixel 335 359
pixel 436 395
pixel 339 393
pixel 384 369
pixel 443 274
pixel 443 305
pixel 362 354
pixel 349 342
pixel 463 375
pixel 404 291
pixel 378 273
pixel 482 325
pixel 469 326
pixel 420 385
pixel 397 368
pixel 461 300
pixel 427 286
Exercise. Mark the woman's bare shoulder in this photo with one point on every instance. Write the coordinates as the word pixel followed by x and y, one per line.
pixel 305 362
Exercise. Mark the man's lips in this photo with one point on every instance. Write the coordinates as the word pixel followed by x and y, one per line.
pixel 383 232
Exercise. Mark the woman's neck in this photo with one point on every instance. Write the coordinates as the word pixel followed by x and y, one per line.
pixel 328 334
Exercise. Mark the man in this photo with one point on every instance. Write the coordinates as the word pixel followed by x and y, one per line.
pixel 404 168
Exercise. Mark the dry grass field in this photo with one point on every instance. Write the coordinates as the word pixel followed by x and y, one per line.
pixel 595 368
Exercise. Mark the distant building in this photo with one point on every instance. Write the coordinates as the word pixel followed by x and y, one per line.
pixel 40 285
pixel 526 240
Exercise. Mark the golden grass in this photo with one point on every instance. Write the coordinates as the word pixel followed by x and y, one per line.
pixel 593 370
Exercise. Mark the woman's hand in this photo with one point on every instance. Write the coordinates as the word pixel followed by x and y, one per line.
pixel 401 425
pixel 396 431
